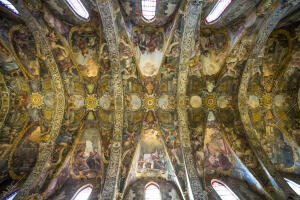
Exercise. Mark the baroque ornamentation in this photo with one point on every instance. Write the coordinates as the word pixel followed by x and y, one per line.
pixel 36 100
pixel 111 179
pixel 187 43
pixel 47 146
pixel 149 102
pixel 91 102
pixel 263 35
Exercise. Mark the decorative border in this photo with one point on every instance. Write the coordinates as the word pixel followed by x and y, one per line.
pixel 110 30
pixel 5 101
pixel 191 20
pixel 263 35
pixel 46 147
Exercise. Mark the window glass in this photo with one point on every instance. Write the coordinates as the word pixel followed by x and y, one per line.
pixel 9 6
pixel 12 195
pixel 223 191
pixel 78 8
pixel 152 192
pixel 217 11
pixel 294 186
pixel 83 193
pixel 148 9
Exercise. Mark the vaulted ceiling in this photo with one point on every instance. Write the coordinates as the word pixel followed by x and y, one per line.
pixel 117 102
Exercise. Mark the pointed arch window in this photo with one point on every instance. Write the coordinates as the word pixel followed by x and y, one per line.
pixel 78 8
pixel 152 192
pixel 9 6
pixel 12 195
pixel 148 10
pixel 217 10
pixel 83 193
pixel 223 191
pixel 293 185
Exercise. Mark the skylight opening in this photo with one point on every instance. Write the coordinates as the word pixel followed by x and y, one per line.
pixel 223 191
pixel 148 10
pixel 9 6
pixel 152 192
pixel 293 185
pixel 217 11
pixel 83 193
pixel 78 8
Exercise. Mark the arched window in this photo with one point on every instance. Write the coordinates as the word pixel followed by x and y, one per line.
pixel 83 193
pixel 217 11
pixel 152 192
pixel 10 7
pixel 12 195
pixel 223 191
pixel 148 10
pixel 293 185
pixel 78 8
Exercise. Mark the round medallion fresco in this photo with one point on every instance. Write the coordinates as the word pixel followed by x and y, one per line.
pixel 279 100
pixel 105 102
pixel 222 102
pixel 253 101
pixel 196 101
pixel 135 102
pixel 163 102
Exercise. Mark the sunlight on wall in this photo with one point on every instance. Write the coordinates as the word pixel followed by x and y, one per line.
pixel 78 8
pixel 217 11
pixel 223 191
pixel 9 6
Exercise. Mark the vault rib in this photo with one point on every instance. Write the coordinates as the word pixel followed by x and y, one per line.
pixel 187 44
pixel 110 30
pixel 264 32
pixel 46 147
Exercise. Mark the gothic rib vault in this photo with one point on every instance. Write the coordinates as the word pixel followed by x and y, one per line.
pixel 117 102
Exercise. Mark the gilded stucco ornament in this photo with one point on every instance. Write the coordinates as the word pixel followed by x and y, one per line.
pixel 91 102
pixel 149 102
pixel 46 147
pixel 110 29
pixel 36 100
pixel 5 101
pixel 264 33
pixel 210 101
pixel 191 18
pixel 267 100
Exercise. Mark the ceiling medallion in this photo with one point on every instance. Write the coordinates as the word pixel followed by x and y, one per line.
pixel 210 101
pixel 195 101
pixel 149 102
pixel 91 102
pixel 36 100
pixel 267 100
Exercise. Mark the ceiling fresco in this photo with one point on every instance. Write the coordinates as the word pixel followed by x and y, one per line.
pixel 119 103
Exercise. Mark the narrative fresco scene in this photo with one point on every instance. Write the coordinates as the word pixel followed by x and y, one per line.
pixel 149 99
